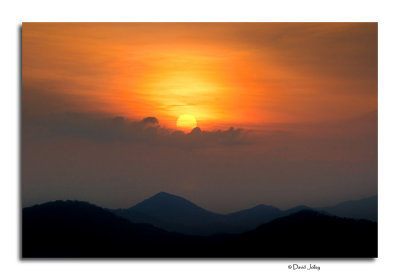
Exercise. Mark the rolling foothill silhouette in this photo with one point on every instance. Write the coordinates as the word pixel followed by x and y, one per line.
pixel 166 225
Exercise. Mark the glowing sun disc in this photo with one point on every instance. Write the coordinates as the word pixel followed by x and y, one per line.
pixel 186 122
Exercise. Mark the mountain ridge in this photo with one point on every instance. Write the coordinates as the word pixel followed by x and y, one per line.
pixel 177 214
pixel 70 229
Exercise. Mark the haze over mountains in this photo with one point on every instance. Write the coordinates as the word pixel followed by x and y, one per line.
pixel 366 208
pixel 176 214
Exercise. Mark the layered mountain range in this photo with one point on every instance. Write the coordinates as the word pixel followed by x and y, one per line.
pixel 176 214
pixel 166 225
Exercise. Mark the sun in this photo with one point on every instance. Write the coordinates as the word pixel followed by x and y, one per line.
pixel 186 122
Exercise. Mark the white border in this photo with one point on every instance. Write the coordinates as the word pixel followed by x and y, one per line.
pixel 384 12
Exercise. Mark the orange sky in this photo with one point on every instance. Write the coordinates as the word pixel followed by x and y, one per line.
pixel 241 74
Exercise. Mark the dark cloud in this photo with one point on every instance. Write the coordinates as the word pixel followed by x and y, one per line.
pixel 147 130
pixel 150 120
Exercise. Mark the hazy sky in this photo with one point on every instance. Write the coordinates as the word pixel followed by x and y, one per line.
pixel 287 112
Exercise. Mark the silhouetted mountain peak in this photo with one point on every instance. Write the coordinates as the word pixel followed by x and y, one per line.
pixel 168 206
pixel 165 195
pixel 165 200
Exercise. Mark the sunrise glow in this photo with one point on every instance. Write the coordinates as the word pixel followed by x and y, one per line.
pixel 186 122
pixel 233 74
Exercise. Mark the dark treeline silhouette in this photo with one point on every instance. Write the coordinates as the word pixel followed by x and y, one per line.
pixel 73 229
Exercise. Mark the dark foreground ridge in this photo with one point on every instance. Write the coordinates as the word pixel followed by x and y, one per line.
pixel 73 229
